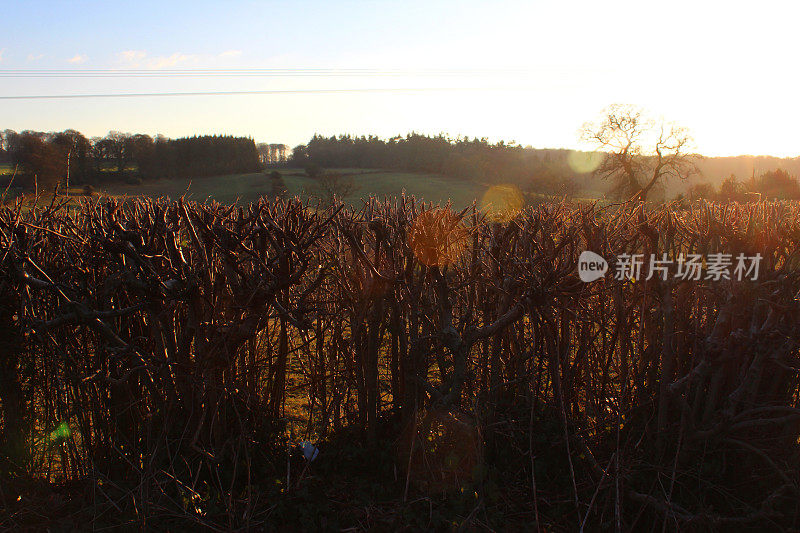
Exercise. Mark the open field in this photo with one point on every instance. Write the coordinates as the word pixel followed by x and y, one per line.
pixel 249 187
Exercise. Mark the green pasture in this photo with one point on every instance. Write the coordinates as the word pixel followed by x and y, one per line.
pixel 249 187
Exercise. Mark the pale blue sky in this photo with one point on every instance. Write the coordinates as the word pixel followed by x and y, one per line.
pixel 727 71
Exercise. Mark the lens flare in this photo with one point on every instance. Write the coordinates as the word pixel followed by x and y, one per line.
pixel 502 202
pixel 584 162
pixel 438 237
pixel 60 433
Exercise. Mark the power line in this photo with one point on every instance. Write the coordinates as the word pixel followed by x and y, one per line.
pixel 249 72
pixel 243 93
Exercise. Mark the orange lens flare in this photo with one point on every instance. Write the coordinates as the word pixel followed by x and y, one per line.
pixel 438 237
pixel 502 202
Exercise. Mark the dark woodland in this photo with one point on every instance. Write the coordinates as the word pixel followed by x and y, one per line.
pixel 41 159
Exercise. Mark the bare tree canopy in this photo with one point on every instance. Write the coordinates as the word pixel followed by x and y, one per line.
pixel 332 186
pixel 641 152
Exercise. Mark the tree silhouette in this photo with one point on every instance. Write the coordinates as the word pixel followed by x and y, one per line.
pixel 641 153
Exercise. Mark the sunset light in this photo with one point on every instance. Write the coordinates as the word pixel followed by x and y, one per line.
pixel 413 266
pixel 530 72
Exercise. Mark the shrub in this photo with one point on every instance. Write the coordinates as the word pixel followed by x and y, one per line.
pixel 313 170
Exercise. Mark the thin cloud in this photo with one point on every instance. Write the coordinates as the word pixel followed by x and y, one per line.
pixel 230 54
pixel 2 50
pixel 140 59
pixel 170 61
pixel 78 59
pixel 131 56
pixel 34 57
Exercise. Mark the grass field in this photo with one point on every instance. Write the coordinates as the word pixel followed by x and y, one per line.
pixel 249 187
pixel 245 188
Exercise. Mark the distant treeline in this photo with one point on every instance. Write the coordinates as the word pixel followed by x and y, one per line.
pixel 475 159
pixel 134 157
pixel 49 157
pixel 774 184
pixel 554 171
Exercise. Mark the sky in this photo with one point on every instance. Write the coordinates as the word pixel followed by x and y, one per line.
pixel 531 72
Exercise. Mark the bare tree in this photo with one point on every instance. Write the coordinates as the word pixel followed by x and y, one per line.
pixel 641 152
pixel 332 186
